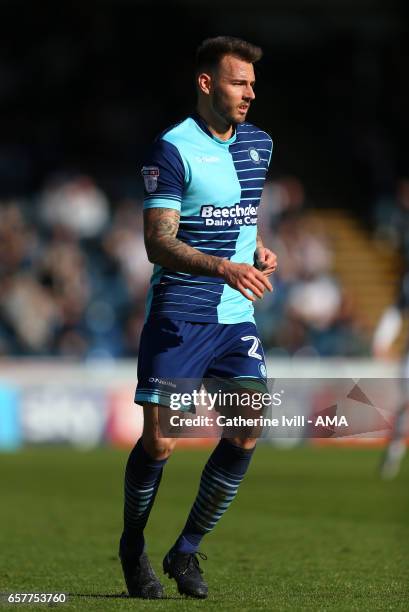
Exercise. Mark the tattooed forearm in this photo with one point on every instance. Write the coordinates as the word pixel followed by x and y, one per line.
pixel 162 246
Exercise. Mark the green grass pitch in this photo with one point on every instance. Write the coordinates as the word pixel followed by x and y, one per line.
pixel 311 529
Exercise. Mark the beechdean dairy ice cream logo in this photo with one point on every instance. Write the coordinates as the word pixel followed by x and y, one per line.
pixel 150 178
pixel 228 216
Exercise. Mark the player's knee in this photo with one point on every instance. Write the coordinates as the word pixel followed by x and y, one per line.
pixel 246 443
pixel 158 448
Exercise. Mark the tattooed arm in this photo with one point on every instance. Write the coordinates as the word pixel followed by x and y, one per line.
pixel 163 248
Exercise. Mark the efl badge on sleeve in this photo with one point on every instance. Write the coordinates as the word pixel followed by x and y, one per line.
pixel 150 178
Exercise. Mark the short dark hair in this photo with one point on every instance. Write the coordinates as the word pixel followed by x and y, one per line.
pixel 212 50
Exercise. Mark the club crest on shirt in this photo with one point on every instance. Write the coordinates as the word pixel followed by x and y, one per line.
pixel 254 155
pixel 262 369
pixel 150 178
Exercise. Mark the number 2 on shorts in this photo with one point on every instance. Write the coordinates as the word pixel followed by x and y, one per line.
pixel 252 352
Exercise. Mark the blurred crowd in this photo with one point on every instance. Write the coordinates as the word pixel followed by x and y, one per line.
pixel 309 313
pixel 73 273
pixel 74 276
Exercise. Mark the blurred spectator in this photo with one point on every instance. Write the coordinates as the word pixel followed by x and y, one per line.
pixel 280 199
pixel 124 243
pixel 18 242
pixel 315 301
pixel 31 312
pixel 76 205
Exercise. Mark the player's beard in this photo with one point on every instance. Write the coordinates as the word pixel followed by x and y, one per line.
pixel 226 111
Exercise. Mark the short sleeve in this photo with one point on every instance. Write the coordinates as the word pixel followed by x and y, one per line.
pixel 164 176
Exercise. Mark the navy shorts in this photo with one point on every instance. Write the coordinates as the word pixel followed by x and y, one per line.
pixel 175 357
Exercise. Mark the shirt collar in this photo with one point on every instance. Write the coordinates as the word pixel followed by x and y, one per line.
pixel 203 126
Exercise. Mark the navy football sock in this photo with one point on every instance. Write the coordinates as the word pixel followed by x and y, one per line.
pixel 142 478
pixel 219 483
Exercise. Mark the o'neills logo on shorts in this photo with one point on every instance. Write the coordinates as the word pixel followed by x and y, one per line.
pixel 229 215
pixel 160 381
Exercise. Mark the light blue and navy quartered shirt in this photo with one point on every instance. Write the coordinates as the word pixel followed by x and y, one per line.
pixel 216 186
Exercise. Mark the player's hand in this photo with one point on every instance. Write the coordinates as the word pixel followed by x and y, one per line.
pixel 245 278
pixel 265 261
